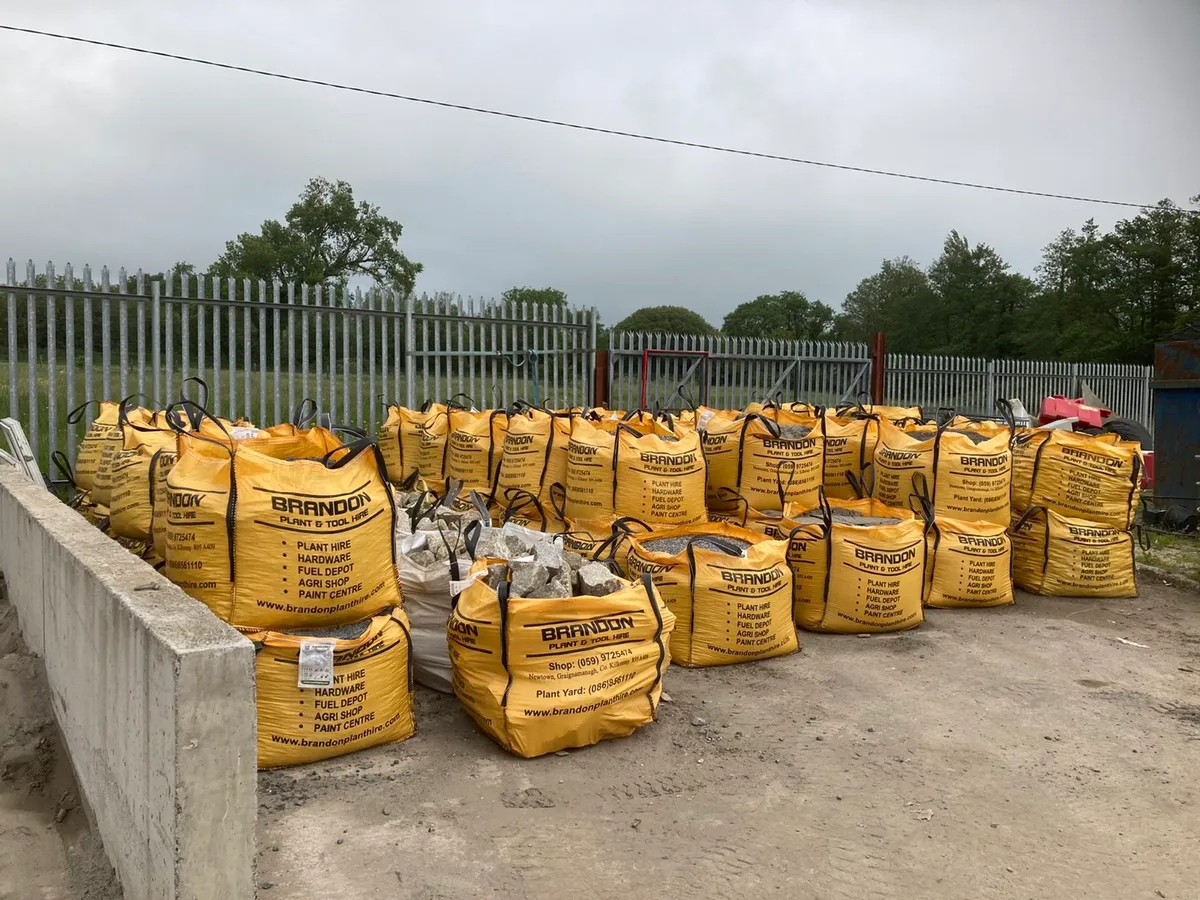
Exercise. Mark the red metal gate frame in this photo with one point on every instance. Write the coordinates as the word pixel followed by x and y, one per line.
pixel 647 353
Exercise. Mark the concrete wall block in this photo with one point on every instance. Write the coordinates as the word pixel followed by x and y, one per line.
pixel 153 694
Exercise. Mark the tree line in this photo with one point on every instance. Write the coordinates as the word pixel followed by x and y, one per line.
pixel 1094 297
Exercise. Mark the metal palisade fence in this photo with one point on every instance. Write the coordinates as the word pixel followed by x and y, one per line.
pixel 672 370
pixel 972 385
pixel 263 347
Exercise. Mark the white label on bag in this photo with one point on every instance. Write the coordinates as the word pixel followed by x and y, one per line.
pixel 457 587
pixel 316 664
pixel 241 433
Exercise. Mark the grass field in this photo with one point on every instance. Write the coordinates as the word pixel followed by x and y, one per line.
pixel 45 418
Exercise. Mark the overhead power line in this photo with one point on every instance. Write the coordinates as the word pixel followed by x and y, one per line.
pixel 559 123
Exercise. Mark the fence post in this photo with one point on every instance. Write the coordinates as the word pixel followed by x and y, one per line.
pixel 595 385
pixel 878 367
pixel 156 329
pixel 991 385
pixel 410 353
pixel 601 382
pixel 1075 391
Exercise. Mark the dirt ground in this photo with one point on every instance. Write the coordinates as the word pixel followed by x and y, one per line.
pixel 48 850
pixel 1013 753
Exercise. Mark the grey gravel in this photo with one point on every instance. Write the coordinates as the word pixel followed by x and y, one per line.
pixel 794 432
pixel 847 517
pixel 975 436
pixel 572 559
pixel 496 574
pixel 342 632
pixel 674 545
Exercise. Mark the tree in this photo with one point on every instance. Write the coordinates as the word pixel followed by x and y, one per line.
pixel 548 296
pixel 897 300
pixel 1110 297
pixel 981 301
pixel 788 315
pixel 326 237
pixel 670 319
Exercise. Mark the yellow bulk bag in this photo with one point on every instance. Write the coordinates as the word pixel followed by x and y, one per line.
pixel 899 458
pixel 133 472
pixel 534 453
pixel 160 467
pixel 1025 445
pixel 590 451
pixel 114 443
pixel 400 439
pixel 719 432
pixel 849 449
pixel 970 565
pixel 780 460
pixel 361 694
pixel 659 477
pixel 1065 557
pixel 431 432
pixel 282 532
pixel 473 447
pixel 858 567
pixel 1093 477
pixel 87 457
pixel 544 675
pixel 729 588
pixel 972 474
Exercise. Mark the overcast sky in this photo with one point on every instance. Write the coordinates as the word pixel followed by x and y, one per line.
pixel 120 159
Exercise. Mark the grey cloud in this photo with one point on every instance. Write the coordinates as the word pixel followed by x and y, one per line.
pixel 118 159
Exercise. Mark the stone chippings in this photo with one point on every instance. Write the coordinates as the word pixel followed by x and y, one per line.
pixel 794 432
pixel 847 517
pixel 974 436
pixel 350 632
pixel 674 545
pixel 551 573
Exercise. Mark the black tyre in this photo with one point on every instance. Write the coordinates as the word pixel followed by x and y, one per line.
pixel 1129 430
